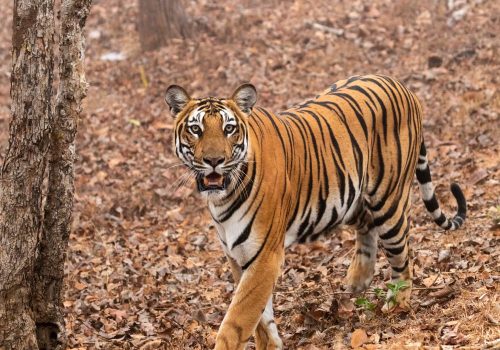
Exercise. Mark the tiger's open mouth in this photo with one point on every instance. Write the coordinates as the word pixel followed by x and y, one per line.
pixel 212 181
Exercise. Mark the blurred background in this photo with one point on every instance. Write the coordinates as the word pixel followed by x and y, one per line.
pixel 144 267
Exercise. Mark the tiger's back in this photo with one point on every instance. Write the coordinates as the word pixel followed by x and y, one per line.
pixel 352 146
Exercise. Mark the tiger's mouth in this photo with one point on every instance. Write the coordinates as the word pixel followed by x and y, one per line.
pixel 212 182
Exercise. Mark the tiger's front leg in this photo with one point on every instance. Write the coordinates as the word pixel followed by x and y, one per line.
pixel 266 335
pixel 249 304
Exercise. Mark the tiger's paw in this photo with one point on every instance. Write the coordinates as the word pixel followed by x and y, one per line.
pixel 267 344
pixel 360 274
pixel 266 339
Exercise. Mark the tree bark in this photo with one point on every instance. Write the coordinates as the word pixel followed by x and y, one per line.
pixel 161 20
pixel 49 269
pixel 24 167
pixel 32 246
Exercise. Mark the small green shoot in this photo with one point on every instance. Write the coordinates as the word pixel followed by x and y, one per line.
pixel 365 304
pixel 395 288
pixel 380 293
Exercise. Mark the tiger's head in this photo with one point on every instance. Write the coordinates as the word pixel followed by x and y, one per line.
pixel 211 135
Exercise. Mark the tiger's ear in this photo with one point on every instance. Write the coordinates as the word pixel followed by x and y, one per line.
pixel 177 98
pixel 245 97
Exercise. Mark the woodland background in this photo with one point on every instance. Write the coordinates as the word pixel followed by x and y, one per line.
pixel 144 268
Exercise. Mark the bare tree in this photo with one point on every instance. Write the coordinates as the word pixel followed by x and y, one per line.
pixel 161 20
pixel 33 241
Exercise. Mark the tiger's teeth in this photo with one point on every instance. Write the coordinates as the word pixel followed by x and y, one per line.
pixel 213 180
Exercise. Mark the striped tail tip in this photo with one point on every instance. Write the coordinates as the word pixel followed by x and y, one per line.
pixel 459 218
pixel 429 197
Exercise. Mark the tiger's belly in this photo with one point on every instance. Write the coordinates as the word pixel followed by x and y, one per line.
pixel 241 242
pixel 318 219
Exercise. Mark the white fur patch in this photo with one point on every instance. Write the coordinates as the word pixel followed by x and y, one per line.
pixel 267 320
pixel 436 213
pixel 427 190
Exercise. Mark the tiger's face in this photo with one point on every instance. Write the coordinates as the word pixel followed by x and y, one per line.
pixel 211 135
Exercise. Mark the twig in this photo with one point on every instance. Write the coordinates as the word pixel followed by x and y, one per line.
pixel 429 288
pixel 318 26
pixel 188 332
pixel 100 334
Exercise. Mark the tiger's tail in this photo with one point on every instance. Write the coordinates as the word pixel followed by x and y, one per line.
pixel 431 204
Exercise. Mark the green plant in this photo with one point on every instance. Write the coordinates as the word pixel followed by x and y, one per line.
pixel 380 293
pixel 365 304
pixel 395 288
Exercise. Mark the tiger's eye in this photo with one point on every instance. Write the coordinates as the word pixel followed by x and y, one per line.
pixel 229 128
pixel 195 129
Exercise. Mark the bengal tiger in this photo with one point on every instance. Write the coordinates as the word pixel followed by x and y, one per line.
pixel 345 157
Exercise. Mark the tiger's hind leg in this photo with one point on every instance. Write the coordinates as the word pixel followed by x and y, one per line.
pixel 393 233
pixel 362 267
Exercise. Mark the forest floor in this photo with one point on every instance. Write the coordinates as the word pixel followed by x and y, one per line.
pixel 144 267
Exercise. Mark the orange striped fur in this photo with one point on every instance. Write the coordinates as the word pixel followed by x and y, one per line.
pixel 345 157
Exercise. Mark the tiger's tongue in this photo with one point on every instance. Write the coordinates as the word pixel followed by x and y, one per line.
pixel 213 179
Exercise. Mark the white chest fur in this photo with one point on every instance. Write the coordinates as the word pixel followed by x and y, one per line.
pixel 230 233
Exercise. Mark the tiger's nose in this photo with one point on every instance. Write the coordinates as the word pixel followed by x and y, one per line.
pixel 214 161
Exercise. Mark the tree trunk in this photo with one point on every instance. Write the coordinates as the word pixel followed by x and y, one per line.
pixel 161 20
pixel 49 270
pixel 32 246
pixel 24 167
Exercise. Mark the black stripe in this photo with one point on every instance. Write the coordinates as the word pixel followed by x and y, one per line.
pixel 304 224
pixel 423 151
pixel 352 193
pixel 335 153
pixel 275 126
pixel 383 108
pixel 461 202
pixel 401 269
pixel 244 267
pixel 381 168
pixel 306 233
pixel 424 176
pixel 296 121
pixel 363 91
pixel 341 182
pixel 352 79
pixel 394 251
pixel 431 204
pixel 246 232
pixel 403 236
pixel 363 252
pixel 440 220
pixel 294 215
pixel 357 111
pixel 241 198
pixel 393 232
pixel 333 220
pixel 397 120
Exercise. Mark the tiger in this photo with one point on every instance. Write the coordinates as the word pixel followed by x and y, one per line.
pixel 343 158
